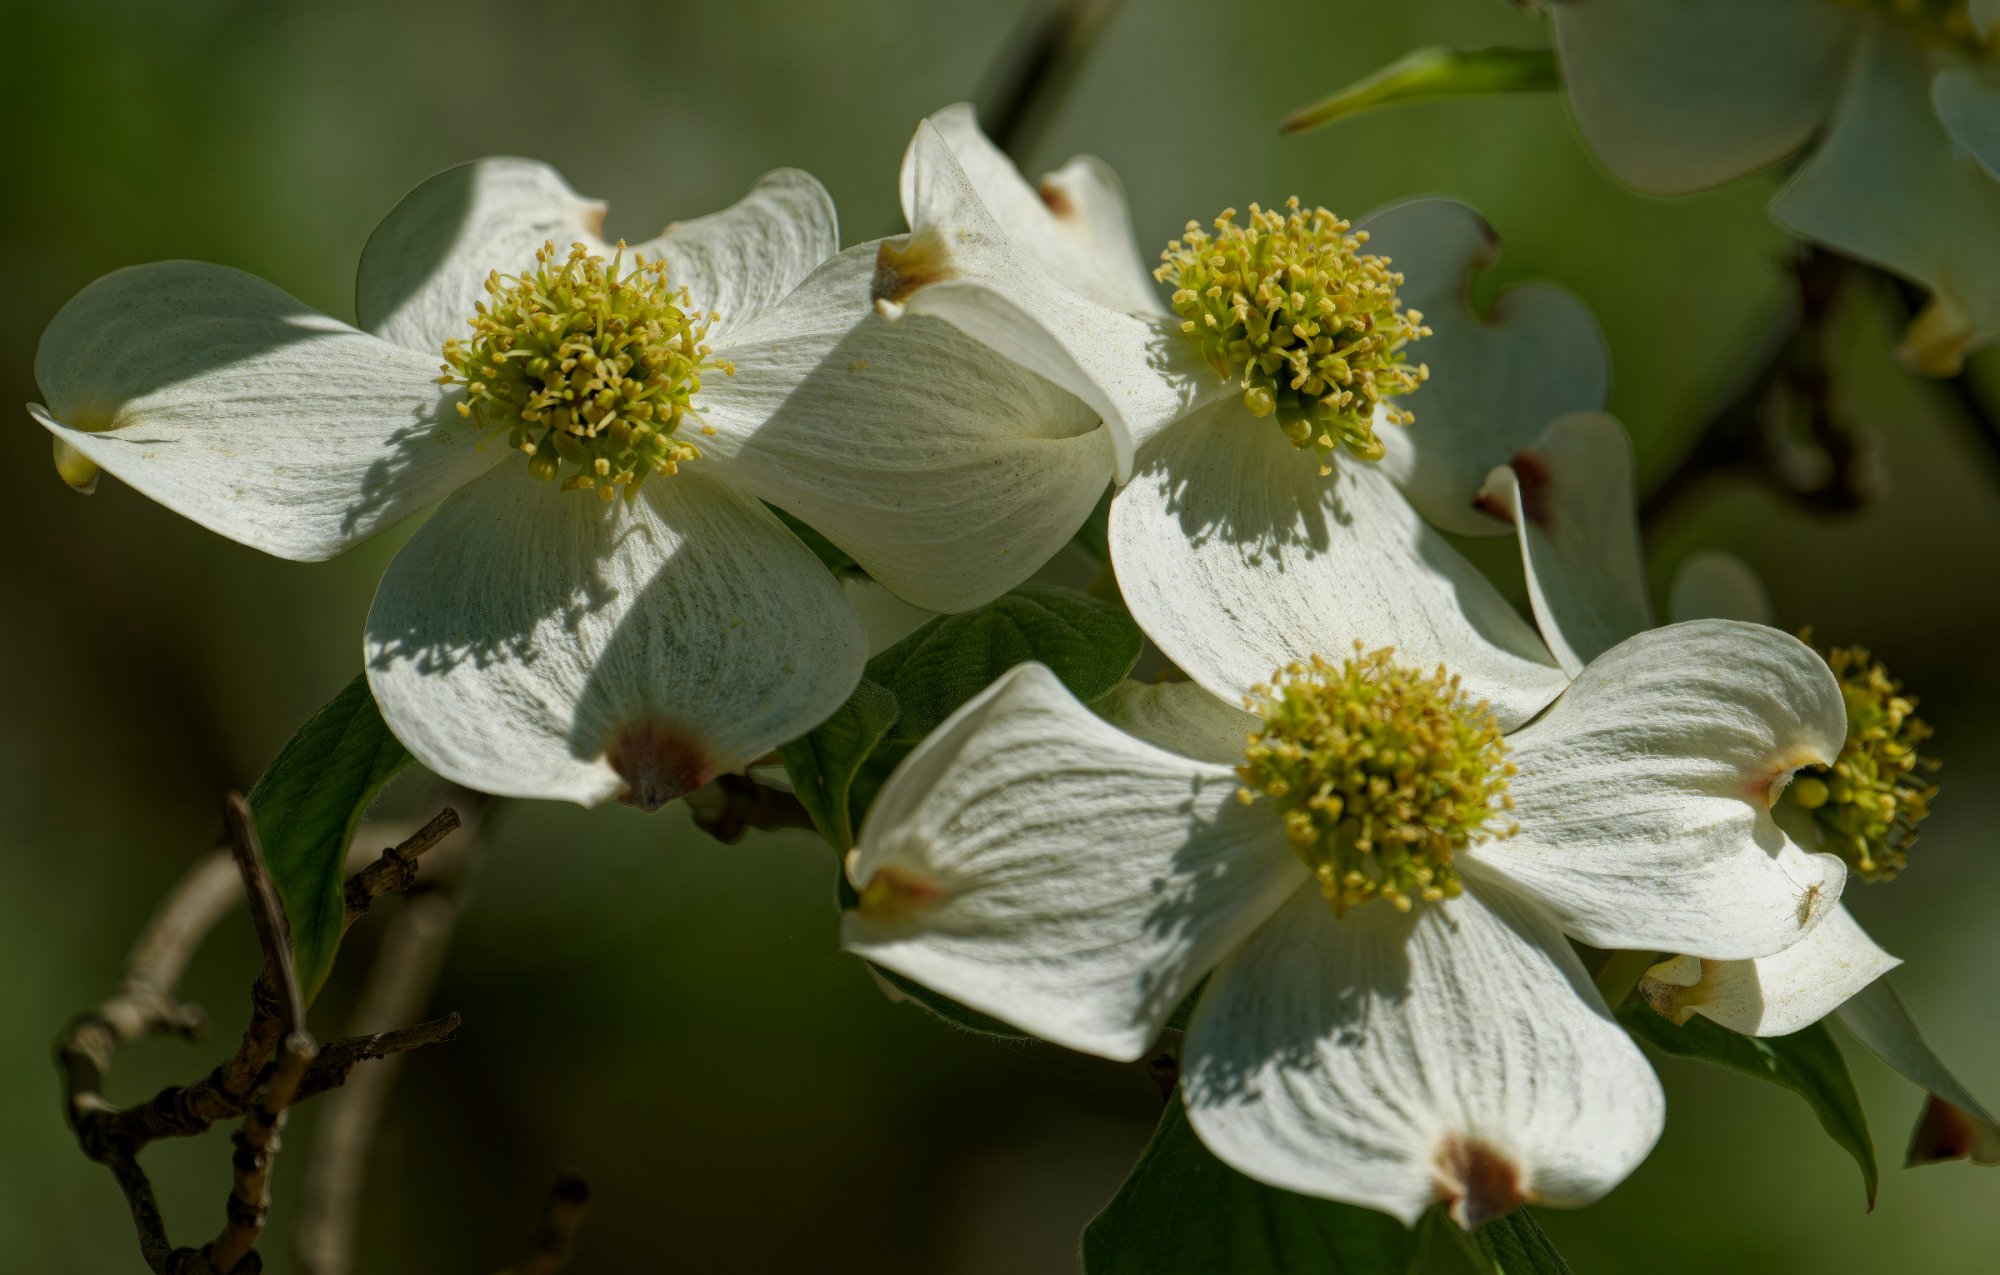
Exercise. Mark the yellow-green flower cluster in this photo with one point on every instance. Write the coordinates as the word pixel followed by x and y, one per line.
pixel 1867 805
pixel 586 367
pixel 1382 774
pixel 1306 322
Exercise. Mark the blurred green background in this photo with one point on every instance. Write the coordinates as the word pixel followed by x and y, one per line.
pixel 668 1016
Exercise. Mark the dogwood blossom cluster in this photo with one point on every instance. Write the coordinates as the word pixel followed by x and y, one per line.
pixel 1372 805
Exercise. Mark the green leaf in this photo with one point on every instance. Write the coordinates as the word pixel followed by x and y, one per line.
pixel 1513 1244
pixel 937 1003
pixel 307 805
pixel 831 556
pixel 914 685
pixel 1806 1062
pixel 823 764
pixel 1089 643
pixel 1430 73
pixel 1094 536
pixel 1184 1210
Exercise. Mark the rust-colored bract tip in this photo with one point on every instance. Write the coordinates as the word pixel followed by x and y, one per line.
pixel 902 266
pixel 658 762
pixel 1537 505
pixel 1943 1133
pixel 1477 1183
pixel 894 892
pixel 1056 198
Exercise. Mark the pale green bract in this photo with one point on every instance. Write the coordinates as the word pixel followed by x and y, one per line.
pixel 1897 107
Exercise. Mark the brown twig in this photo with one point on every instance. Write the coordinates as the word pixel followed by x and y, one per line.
pixel 267 914
pixel 146 1003
pixel 247 1081
pixel 396 870
pixel 1042 70
pixel 184 1111
pixel 338 1058
pixel 562 1215
pixel 256 1144
pixel 1791 392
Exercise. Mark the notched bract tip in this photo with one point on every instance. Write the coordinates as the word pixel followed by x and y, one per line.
pixel 658 763
pixel 890 892
pixel 1535 481
pixel 1945 1132
pixel 904 265
pixel 75 468
pixel 1477 1183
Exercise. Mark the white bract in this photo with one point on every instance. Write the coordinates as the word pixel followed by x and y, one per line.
pixel 1252 511
pixel 1579 542
pixel 603 604
pixel 1899 101
pixel 1379 890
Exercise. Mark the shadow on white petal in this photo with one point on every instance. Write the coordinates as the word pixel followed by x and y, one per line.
pixel 533 642
pixel 1644 794
pixel 1237 557
pixel 1454 1054
pixel 426 264
pixel 242 408
pixel 948 472
pixel 1038 865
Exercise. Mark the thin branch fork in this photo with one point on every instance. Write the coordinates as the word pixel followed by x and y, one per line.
pixel 224 1094
pixel 256 1143
pixel 274 1066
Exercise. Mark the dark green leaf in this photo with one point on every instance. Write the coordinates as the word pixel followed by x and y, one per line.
pixel 1184 1210
pixel 1090 644
pixel 1513 1244
pixel 831 556
pixel 1806 1062
pixel 943 1006
pixel 307 805
pixel 1435 73
pixel 823 764
pixel 1094 536
pixel 914 685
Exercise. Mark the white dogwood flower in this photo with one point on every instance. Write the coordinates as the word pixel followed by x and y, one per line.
pixel 1258 403
pixel 1570 497
pixel 1379 889
pixel 602 605
pixel 1898 101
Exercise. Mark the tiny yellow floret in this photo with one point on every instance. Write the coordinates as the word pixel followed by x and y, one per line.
pixel 1307 323
pixel 1867 805
pixel 586 368
pixel 1381 773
